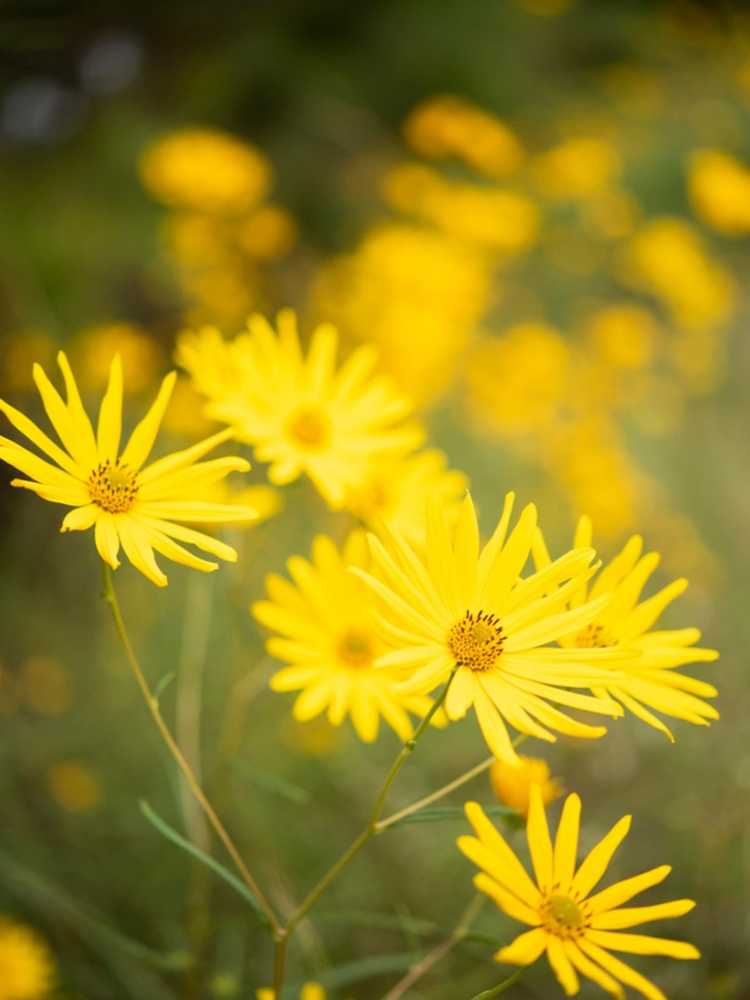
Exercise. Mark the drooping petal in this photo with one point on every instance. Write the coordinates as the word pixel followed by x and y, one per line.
pixel 525 949
pixel 621 971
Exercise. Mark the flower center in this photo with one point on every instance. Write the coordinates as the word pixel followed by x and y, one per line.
pixel 476 640
pixel 594 636
pixel 355 649
pixel 113 487
pixel 563 916
pixel 310 428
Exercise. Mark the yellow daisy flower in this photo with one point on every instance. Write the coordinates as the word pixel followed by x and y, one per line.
pixel 512 785
pixel 649 678
pixel 577 930
pixel 128 504
pixel 458 611
pixel 329 639
pixel 301 414
pixel 26 969
pixel 310 991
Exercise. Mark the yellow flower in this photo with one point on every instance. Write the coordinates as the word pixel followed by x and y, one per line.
pixel 26 969
pixel 301 414
pixel 310 991
pixel 446 126
pixel 205 169
pixel 268 233
pixel 326 619
pixel 719 190
pixel 396 492
pixel 578 168
pixel 73 786
pixel 577 930
pixel 93 349
pixel 19 352
pixel 512 785
pixel 127 504
pixel 624 336
pixel 458 611
pixel 650 677
pixel 45 686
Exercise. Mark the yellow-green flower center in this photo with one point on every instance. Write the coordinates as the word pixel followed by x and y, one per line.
pixel 310 428
pixel 594 636
pixel 564 916
pixel 113 487
pixel 476 640
pixel 355 649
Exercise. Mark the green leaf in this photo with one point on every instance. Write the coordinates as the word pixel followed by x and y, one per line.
pixel 171 834
pixel 441 814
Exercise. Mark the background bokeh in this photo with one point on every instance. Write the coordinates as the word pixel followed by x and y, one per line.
pixel 540 211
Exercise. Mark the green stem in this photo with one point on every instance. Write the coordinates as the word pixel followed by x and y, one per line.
pixel 500 988
pixel 153 706
pixel 357 844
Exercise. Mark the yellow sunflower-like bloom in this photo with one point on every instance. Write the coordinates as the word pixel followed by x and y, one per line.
pixel 300 413
pixel 331 643
pixel 310 991
pixel 650 678
pixel 512 785
pixel 460 611
pixel 576 929
pixel 128 503
pixel 26 969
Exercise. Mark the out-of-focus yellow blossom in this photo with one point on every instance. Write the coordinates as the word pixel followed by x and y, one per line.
pixel 185 414
pixel 310 991
pixel 265 500
pixel 624 336
pixel 652 679
pixel 45 686
pixel 205 169
pixel 719 190
pixel 417 294
pixel 330 640
pixel 92 351
pixel 640 92
pixel 489 217
pixel 194 239
pixel 316 737
pixel 512 784
pixel 268 233
pixel 531 362
pixel 578 168
pixel 448 126
pixel 396 492
pixel 223 292
pixel 19 352
pixel 699 358
pixel 612 214
pixel 301 413
pixel 667 258
pixel 26 967
pixel 74 786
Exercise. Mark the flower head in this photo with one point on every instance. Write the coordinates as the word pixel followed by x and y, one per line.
pixel 575 928
pixel 127 502
pixel 464 613
pixel 329 640
pixel 650 679
pixel 512 785
pixel 26 969
pixel 301 414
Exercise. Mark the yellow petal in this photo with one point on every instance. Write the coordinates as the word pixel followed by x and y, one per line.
pixel 137 548
pixel 109 427
pixel 621 971
pixel 81 518
pixel 562 966
pixel 598 859
pixel 507 902
pixel 642 944
pixel 587 968
pixel 539 841
pixel 525 949
pixel 634 915
pixel 107 540
pixel 621 892
pixel 142 439
pixel 566 841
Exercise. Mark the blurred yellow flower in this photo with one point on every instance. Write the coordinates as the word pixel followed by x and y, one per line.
pixel 458 611
pixel 45 686
pixel 512 784
pixel 719 190
pixel 651 678
pixel 417 294
pixel 302 414
pixel 623 336
pixel 184 415
pixel 330 639
pixel 26 967
pixel 92 351
pixel 396 492
pixel 532 361
pixel 578 168
pixel 310 991
pixel 74 786
pixel 20 351
pixel 205 169
pixel 448 126
pixel 268 233
pixel 576 930
pixel 127 504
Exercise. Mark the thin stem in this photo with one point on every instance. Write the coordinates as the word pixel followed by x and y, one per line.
pixel 431 959
pixel 153 706
pixel 357 844
pixel 383 824
pixel 500 988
